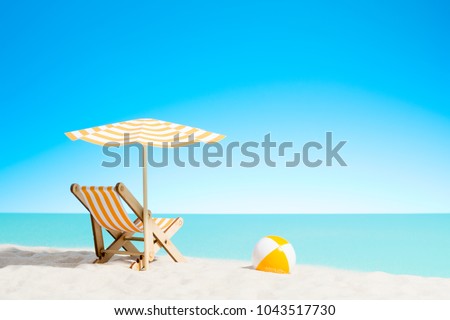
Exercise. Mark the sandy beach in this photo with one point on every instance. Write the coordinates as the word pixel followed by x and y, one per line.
pixel 47 273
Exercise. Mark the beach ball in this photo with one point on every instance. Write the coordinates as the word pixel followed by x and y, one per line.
pixel 273 254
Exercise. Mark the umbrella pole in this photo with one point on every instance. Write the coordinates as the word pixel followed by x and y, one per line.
pixel 148 234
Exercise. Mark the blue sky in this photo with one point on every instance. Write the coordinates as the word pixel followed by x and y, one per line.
pixel 375 74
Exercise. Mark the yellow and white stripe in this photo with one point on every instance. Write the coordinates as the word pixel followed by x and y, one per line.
pixel 106 207
pixel 274 254
pixel 154 132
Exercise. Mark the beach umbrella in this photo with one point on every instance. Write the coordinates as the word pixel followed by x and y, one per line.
pixel 147 132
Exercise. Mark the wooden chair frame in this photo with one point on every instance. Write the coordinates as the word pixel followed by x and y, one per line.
pixel 123 239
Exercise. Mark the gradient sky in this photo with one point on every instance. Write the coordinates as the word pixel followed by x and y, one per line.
pixel 376 74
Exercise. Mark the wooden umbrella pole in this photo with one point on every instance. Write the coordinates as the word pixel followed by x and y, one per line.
pixel 148 234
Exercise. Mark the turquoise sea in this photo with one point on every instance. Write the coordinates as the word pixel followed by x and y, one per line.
pixel 417 244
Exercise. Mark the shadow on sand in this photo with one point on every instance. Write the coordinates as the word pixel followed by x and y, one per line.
pixel 45 257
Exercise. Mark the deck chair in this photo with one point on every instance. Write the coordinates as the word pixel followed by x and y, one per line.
pixel 105 207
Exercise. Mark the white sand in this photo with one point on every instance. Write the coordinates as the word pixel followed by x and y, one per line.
pixel 45 273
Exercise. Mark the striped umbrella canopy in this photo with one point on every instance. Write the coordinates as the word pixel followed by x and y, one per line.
pixel 147 132
pixel 156 133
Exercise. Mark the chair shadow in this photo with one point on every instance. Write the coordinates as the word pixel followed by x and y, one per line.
pixel 45 257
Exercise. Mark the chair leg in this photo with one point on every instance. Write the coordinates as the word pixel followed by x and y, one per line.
pixel 165 242
pixel 173 228
pixel 119 241
pixel 161 240
pixel 98 239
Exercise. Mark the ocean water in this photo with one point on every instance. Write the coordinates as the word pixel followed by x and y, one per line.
pixel 416 244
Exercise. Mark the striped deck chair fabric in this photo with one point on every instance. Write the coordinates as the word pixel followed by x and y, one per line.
pixel 106 207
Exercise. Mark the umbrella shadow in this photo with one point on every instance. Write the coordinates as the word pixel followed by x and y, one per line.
pixel 49 258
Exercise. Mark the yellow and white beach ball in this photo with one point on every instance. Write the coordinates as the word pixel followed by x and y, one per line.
pixel 273 254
